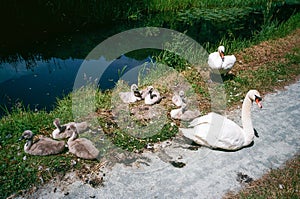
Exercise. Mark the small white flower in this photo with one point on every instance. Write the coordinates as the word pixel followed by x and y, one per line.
pixel 281 186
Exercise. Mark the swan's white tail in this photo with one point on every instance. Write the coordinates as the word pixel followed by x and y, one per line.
pixel 188 133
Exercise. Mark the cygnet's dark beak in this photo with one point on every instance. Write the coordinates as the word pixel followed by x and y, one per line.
pixel 21 138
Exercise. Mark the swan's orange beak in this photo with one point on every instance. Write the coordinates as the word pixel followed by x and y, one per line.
pixel 222 55
pixel 258 102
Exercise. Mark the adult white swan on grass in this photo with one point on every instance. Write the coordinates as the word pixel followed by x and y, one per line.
pixel 217 61
pixel 216 131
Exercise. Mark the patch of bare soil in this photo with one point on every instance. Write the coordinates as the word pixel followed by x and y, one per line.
pixel 266 52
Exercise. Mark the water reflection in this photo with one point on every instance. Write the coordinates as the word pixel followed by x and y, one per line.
pixel 39 86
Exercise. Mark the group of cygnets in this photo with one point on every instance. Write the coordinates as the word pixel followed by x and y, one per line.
pixel 150 95
pixel 205 130
pixel 80 147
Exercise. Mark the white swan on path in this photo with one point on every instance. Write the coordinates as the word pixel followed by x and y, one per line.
pixel 216 131
pixel 178 99
pixel 81 147
pixel 130 97
pixel 217 61
pixel 153 96
pixel 64 131
pixel 183 114
pixel 42 146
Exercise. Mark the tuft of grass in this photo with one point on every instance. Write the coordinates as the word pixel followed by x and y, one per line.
pixel 177 5
pixel 132 143
pixel 269 31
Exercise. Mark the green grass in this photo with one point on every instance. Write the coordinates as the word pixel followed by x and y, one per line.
pixel 176 5
pixel 268 31
pixel 266 78
pixel 18 170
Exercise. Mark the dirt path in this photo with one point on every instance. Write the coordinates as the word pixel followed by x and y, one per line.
pixel 205 173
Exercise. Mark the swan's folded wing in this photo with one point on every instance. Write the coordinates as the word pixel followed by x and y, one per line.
pixel 214 61
pixel 229 61
pixel 204 119
pixel 231 136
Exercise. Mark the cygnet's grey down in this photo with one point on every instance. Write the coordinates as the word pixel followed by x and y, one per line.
pixel 179 99
pixel 42 146
pixel 184 114
pixel 153 96
pixel 64 131
pixel 130 97
pixel 81 147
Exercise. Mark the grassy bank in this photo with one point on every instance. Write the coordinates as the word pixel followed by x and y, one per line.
pixel 20 171
pixel 278 183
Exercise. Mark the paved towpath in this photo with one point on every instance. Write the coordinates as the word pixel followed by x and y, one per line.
pixel 207 173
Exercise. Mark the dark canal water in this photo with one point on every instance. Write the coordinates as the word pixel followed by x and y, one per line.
pixel 39 71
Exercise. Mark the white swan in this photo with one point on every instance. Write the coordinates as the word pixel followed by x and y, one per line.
pixel 216 131
pixel 42 146
pixel 153 96
pixel 64 131
pixel 178 99
pixel 217 61
pixel 130 97
pixel 183 114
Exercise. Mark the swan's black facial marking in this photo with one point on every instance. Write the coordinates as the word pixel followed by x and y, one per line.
pixel 257 98
pixel 256 133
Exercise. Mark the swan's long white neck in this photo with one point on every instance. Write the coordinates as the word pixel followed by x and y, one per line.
pixel 246 121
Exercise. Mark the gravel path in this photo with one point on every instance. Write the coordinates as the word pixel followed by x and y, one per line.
pixel 207 173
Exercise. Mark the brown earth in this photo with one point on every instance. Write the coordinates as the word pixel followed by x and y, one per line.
pixel 266 52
